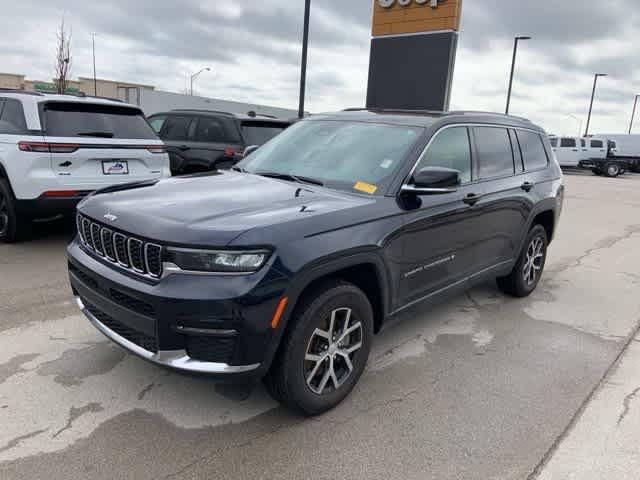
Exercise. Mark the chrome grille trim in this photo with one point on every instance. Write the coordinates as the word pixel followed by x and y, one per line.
pixel 93 236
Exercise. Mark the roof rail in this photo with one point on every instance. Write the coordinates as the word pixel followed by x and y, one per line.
pixel 200 110
pixel 20 90
pixel 481 112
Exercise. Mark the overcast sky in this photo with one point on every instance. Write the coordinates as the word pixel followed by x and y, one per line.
pixel 253 49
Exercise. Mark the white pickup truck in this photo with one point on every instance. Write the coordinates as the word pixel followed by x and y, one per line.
pixel 589 153
pixel 625 147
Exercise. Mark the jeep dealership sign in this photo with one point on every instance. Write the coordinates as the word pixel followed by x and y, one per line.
pixel 406 3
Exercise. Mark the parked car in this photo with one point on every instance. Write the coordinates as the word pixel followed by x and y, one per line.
pixel 201 140
pixel 587 153
pixel 56 149
pixel 287 265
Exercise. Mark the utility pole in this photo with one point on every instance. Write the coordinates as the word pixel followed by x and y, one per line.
pixel 593 95
pixel 513 68
pixel 95 81
pixel 303 67
pixel 633 114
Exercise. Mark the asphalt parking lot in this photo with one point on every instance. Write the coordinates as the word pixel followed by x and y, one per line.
pixel 482 387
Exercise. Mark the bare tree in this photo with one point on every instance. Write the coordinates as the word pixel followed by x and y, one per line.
pixel 63 58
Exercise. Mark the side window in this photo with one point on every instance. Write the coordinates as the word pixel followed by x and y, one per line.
pixel 583 142
pixel 211 130
pixel 533 152
pixel 597 144
pixel 157 123
pixel 495 157
pixel 451 149
pixel 177 128
pixel 554 142
pixel 12 119
pixel 568 143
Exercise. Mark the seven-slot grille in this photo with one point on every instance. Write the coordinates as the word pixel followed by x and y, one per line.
pixel 131 253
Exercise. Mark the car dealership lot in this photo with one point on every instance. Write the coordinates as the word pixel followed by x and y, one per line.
pixel 481 387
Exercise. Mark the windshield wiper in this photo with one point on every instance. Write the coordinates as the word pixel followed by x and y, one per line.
pixel 291 178
pixel 96 134
pixel 238 169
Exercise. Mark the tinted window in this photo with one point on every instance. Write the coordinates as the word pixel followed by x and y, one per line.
pixel 533 152
pixel 75 119
pixel 554 142
pixel 216 130
pixel 12 117
pixel 157 123
pixel 583 142
pixel 257 133
pixel 352 156
pixel 568 143
pixel 495 158
pixel 451 149
pixel 597 144
pixel 177 128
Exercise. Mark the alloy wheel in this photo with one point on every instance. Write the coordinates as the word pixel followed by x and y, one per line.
pixel 328 361
pixel 533 261
pixel 4 215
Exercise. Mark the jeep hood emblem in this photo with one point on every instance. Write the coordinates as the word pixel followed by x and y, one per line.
pixel 111 217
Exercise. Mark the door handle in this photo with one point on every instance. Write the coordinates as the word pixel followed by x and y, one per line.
pixel 472 199
pixel 527 186
pixel 575 150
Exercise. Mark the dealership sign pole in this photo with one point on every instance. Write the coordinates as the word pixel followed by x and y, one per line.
pixel 413 53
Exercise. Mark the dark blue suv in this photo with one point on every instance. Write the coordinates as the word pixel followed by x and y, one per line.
pixel 285 267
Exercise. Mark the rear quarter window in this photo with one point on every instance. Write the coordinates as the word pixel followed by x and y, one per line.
pixel 216 130
pixel 259 133
pixel 76 119
pixel 534 155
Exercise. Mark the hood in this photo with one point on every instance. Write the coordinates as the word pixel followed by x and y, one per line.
pixel 212 209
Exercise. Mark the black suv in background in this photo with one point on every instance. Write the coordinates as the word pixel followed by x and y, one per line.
pixel 204 140
pixel 286 266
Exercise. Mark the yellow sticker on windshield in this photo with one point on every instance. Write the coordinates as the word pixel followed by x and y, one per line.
pixel 365 187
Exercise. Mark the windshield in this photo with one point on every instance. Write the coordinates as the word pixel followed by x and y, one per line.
pixel 75 119
pixel 352 156
pixel 258 133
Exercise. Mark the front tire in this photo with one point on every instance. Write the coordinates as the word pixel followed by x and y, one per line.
pixel 612 170
pixel 526 273
pixel 325 351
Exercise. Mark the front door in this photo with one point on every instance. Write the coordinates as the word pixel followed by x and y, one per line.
pixel 441 232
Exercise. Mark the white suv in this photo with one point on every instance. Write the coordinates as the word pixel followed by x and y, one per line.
pixel 56 149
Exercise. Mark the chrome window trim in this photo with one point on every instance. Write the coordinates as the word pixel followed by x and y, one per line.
pixel 467 125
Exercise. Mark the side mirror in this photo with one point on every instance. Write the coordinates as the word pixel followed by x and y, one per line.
pixel 249 150
pixel 433 180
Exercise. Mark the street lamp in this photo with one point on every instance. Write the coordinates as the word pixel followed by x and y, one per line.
pixel 577 120
pixel 196 75
pixel 95 81
pixel 513 67
pixel 303 65
pixel 633 114
pixel 593 95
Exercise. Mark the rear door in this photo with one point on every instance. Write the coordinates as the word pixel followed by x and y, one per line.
pixel 94 145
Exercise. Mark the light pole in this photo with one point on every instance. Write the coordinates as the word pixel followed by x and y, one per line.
pixel 303 66
pixel 95 81
pixel 577 120
pixel 513 68
pixel 196 75
pixel 593 95
pixel 633 114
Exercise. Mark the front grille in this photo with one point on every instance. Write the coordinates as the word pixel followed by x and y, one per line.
pixel 141 257
pixel 210 349
pixel 150 344
pixel 131 303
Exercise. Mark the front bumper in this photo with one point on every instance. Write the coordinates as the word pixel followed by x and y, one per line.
pixel 175 359
pixel 219 326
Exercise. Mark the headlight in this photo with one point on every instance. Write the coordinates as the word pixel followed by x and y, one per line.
pixel 217 261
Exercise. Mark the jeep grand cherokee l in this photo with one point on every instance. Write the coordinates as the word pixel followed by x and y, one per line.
pixel 55 149
pixel 286 266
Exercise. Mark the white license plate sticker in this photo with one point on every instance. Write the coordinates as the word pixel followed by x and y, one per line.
pixel 115 167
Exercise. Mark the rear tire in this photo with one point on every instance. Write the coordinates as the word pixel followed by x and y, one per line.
pixel 612 170
pixel 526 273
pixel 12 228
pixel 325 350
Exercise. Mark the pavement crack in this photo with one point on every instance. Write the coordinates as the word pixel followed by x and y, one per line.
pixel 76 413
pixel 16 441
pixel 627 404
pixel 146 390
